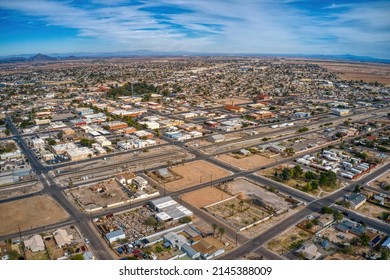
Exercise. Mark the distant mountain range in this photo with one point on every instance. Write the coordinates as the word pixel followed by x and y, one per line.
pixel 147 53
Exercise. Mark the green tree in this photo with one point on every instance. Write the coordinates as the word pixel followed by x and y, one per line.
pixel 186 220
pixel 214 226
pixel 51 141
pixel 338 216
pixel 221 232
pixel 158 249
pixel 297 171
pixel 326 210
pixel 286 174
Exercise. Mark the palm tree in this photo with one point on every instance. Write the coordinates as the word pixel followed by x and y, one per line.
pixel 241 204
pixel 232 207
pixel 215 226
pixel 221 232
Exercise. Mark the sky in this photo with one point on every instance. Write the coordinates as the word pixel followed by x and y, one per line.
pixel 223 26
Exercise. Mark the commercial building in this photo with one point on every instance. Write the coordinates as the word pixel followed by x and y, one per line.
pixel 115 125
pixel 168 209
pixel 79 153
pixel 115 235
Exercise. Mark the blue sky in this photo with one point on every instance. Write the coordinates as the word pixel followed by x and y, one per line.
pixel 231 26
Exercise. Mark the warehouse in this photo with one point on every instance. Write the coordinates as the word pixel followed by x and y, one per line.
pixel 115 235
pixel 169 210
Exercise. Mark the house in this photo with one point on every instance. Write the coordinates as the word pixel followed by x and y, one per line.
pixel 115 235
pixel 35 243
pixel 209 248
pixel 309 251
pixel 176 240
pixel 140 182
pixel 356 200
pixel 352 227
pixel 62 237
pixel 325 220
pixel 386 244
pixel 125 178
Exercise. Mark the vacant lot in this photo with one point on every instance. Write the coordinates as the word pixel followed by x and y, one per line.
pixel 372 210
pixel 335 236
pixel 99 195
pixel 246 162
pixel 368 72
pixel 288 241
pixel 254 191
pixel 195 173
pixel 238 213
pixel 29 213
pixel 205 196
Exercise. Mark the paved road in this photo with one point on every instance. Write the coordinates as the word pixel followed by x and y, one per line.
pixel 97 245
pixel 314 206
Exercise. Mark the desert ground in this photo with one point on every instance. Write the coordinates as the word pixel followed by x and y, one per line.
pixel 29 213
pixel 248 162
pixel 195 173
pixel 205 196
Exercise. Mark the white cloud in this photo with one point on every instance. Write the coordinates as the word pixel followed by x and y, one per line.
pixel 223 25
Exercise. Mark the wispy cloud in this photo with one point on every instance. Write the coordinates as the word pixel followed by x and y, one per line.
pixel 277 26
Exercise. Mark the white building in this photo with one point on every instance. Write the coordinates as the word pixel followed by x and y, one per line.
pixel 103 141
pixel 35 243
pixel 62 237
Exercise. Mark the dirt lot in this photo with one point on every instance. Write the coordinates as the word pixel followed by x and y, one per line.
pixel 253 190
pixel 367 72
pixel 248 162
pixel 331 233
pixel 237 213
pixel 288 241
pixel 372 210
pixel 10 191
pixel 195 173
pixel 29 213
pixel 111 192
pixel 205 196
pixel 384 178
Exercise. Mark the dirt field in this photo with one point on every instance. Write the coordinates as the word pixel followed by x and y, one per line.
pixel 195 173
pixel 7 192
pixel 248 162
pixel 89 199
pixel 205 196
pixel 372 210
pixel 252 190
pixel 384 178
pixel 331 233
pixel 285 242
pixel 367 72
pixel 29 213
pixel 237 213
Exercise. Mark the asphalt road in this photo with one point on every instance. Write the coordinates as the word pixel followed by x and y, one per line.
pixel 314 206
